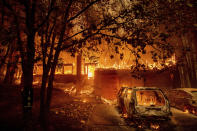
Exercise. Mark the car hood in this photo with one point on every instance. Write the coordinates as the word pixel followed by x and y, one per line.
pixel 152 111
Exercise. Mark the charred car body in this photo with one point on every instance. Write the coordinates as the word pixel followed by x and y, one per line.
pixel 144 103
pixel 184 99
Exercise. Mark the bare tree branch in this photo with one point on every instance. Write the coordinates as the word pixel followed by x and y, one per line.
pixel 48 15
pixel 83 10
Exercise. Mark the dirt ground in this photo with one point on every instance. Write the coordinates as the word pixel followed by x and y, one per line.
pixel 75 113
pixel 11 116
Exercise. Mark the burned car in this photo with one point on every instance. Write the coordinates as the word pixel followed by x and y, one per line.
pixel 184 99
pixel 144 102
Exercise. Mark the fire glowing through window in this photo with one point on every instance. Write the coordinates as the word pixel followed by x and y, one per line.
pixel 90 71
pixel 150 98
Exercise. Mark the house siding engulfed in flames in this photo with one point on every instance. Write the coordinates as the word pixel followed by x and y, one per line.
pixel 108 81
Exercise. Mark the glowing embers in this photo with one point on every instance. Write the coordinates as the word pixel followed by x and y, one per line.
pixel 154 126
pixel 186 111
pixel 107 101
pixel 150 98
pixel 193 111
pixel 189 109
pixel 124 115
pixel 74 113
pixel 71 90
pixel 146 124
pixel 84 100
pixel 87 90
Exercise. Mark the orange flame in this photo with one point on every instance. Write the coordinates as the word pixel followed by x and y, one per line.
pixel 154 126
pixel 125 115
pixel 186 111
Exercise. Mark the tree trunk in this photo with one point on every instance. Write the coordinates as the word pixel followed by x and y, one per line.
pixel 52 65
pixel 13 71
pixel 42 96
pixel 5 56
pixel 78 84
pixel 51 79
pixel 27 67
pixel 27 93
pixel 9 66
pixel 7 75
pixel 188 71
pixel 49 91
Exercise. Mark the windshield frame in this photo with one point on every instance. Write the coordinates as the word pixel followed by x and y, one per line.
pixel 158 90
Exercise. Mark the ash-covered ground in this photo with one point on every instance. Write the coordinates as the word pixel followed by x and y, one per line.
pixel 84 112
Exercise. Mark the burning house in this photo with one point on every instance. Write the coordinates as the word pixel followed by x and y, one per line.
pixel 108 75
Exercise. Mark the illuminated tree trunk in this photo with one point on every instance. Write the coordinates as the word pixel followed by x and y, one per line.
pixel 188 70
pixel 50 88
pixel 5 56
pixel 9 45
pixel 78 84
pixel 194 60
pixel 52 73
pixel 11 68
pixel 42 95
pixel 12 64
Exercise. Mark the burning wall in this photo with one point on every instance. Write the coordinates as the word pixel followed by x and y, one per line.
pixel 108 82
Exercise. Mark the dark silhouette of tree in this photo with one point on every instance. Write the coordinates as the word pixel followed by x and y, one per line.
pixel 24 16
pixel 9 56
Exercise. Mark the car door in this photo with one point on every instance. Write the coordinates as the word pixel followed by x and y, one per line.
pixel 119 96
pixel 120 99
pixel 181 99
pixel 173 97
pixel 127 99
pixel 185 98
